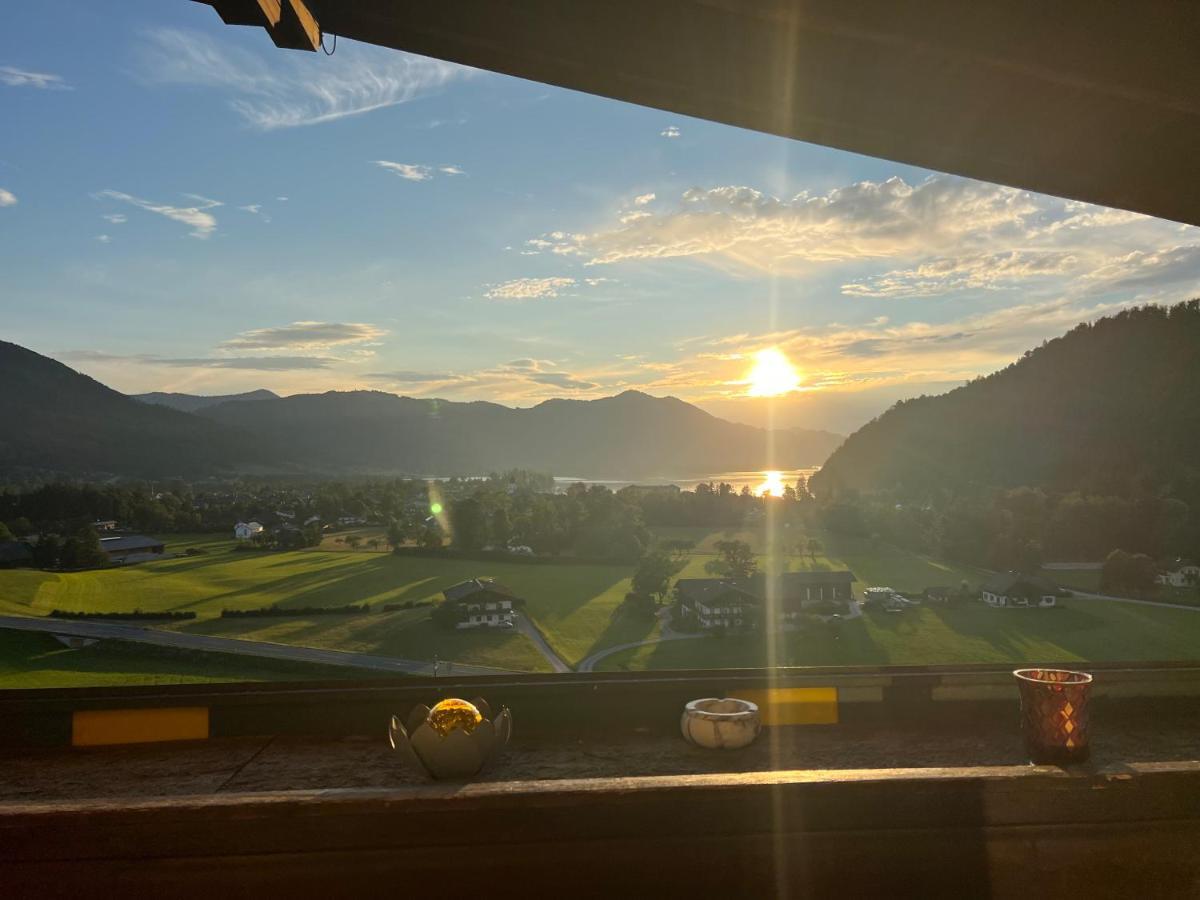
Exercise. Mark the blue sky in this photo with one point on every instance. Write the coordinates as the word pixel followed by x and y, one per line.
pixel 184 207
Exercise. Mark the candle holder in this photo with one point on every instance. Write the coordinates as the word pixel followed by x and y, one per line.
pixel 721 724
pixel 1054 714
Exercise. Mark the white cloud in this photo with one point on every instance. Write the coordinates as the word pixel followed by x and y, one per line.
pixel 14 77
pixel 7 198
pixel 202 222
pixel 305 336
pixel 115 218
pixel 529 288
pixel 520 378
pixel 256 363
pixel 864 220
pixel 981 271
pixel 282 199
pixel 407 171
pixel 103 238
pixel 671 131
pixel 451 170
pixel 643 199
pixel 1148 270
pixel 251 208
pixel 284 91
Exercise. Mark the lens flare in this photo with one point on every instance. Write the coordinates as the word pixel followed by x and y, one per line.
pixel 772 485
pixel 772 374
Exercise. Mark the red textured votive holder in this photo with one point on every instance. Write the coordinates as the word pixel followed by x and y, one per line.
pixel 1054 714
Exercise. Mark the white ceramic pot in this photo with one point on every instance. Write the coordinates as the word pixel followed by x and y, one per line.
pixel 720 724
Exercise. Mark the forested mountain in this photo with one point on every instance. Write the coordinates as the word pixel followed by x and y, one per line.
pixel 193 402
pixel 57 420
pixel 631 435
pixel 1111 408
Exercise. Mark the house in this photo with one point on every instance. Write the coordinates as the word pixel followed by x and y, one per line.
pixel 131 548
pixel 482 603
pixel 105 524
pixel 1179 573
pixel 14 554
pixel 940 593
pixel 743 602
pixel 1012 589
pixel 244 531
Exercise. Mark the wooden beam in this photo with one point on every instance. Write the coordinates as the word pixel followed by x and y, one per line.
pixel 289 23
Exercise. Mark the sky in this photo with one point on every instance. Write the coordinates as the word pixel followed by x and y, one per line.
pixel 183 207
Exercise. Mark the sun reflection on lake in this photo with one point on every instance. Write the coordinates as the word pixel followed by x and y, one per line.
pixel 772 487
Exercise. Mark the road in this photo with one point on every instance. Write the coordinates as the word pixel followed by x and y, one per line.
pixel 262 649
pixel 527 628
pixel 1090 596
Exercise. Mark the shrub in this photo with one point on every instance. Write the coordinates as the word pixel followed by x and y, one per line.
pixel 295 611
pixel 165 616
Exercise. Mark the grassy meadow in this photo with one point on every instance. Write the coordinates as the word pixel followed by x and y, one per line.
pixel 30 660
pixel 576 607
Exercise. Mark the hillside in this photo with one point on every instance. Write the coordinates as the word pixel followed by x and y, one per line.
pixel 58 421
pixel 194 402
pixel 631 435
pixel 1111 408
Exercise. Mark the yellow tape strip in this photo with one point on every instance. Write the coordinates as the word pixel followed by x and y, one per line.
pixel 796 706
pixel 96 727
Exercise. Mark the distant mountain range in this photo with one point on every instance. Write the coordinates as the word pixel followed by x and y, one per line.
pixel 57 421
pixel 1110 408
pixel 60 422
pixel 195 402
pixel 631 435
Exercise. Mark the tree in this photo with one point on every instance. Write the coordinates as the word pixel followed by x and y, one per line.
pixel 736 559
pixel 468 524
pixel 430 538
pixel 501 527
pixel 1134 572
pixel 46 551
pixel 445 615
pixel 82 550
pixel 654 573
pixel 395 534
pixel 814 547
pixel 352 541
pixel 5 533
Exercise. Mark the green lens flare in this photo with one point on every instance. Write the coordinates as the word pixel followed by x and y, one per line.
pixel 435 508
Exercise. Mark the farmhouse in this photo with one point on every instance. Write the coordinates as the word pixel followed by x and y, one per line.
pixel 244 531
pixel 1012 589
pixel 743 602
pixel 1179 573
pixel 482 603
pixel 131 548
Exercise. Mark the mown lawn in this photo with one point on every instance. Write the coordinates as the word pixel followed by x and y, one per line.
pixel 575 605
pixel 1076 631
pixel 29 660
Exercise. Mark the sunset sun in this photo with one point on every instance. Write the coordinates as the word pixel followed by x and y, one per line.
pixel 772 374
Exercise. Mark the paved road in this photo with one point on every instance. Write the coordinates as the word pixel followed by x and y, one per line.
pixel 263 649
pixel 1089 596
pixel 530 631
pixel 589 664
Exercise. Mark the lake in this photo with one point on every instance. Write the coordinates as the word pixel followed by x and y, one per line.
pixel 772 481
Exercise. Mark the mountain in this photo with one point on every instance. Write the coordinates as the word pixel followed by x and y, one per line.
pixel 58 421
pixel 1111 407
pixel 194 402
pixel 632 435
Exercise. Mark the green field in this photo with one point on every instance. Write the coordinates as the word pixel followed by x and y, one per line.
pixel 577 608
pixel 575 605
pixel 29 660
pixel 1076 630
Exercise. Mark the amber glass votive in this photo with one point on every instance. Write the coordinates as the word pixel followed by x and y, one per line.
pixel 1054 714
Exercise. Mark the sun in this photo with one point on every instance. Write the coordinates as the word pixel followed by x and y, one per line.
pixel 772 374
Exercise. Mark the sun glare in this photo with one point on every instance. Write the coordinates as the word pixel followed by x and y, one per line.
pixel 772 486
pixel 772 374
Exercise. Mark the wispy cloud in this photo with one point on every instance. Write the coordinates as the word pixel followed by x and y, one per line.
pixel 43 81
pixel 286 91
pixel 415 171
pixel 103 238
pixel 115 218
pixel 7 198
pixel 256 363
pixel 530 288
pixel 197 217
pixel 643 199
pixel 518 379
pixel 983 271
pixel 305 336
pixel 671 131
